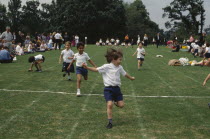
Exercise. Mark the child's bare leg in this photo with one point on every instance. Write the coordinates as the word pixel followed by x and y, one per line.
pixel 36 66
pixel 109 109
pixel 120 104
pixel 79 80
pixel 207 78
pixel 39 66
pixel 30 69
pixel 139 64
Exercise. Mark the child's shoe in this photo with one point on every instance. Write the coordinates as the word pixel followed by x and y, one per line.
pixel 109 126
pixel 78 93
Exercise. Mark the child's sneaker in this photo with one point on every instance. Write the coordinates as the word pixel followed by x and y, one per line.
pixel 109 126
pixel 78 93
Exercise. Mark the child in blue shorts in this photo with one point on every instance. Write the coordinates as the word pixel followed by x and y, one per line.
pixel 111 77
pixel 80 58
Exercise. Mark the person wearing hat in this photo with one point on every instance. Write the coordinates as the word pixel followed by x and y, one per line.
pixel 7 38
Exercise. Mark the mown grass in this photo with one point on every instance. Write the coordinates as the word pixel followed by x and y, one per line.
pixel 26 114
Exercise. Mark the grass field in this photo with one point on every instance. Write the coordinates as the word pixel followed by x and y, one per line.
pixel 44 105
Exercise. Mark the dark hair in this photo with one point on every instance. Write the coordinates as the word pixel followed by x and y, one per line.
pixel 207 44
pixel 31 59
pixel 5 47
pixel 80 44
pixel 113 54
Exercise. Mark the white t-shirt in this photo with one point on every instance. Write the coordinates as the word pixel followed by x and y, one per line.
pixel 208 49
pixel 111 74
pixel 66 54
pixel 58 36
pixel 18 48
pixel 38 57
pixel 80 59
pixel 195 46
pixel 29 48
pixel 139 52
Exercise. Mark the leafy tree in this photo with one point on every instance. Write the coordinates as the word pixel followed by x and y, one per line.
pixel 3 18
pixel 14 13
pixel 138 21
pixel 31 21
pixel 184 14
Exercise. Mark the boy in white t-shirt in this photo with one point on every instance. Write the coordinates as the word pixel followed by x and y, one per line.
pixel 67 55
pixel 36 61
pixel 140 55
pixel 80 58
pixel 111 78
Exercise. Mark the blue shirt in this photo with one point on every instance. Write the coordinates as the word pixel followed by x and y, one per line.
pixel 4 55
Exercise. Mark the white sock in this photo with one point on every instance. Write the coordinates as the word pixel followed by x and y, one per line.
pixel 69 77
pixel 78 90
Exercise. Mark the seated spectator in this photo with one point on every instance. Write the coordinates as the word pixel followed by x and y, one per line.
pixel 19 49
pixel 50 44
pixel 5 56
pixel 177 47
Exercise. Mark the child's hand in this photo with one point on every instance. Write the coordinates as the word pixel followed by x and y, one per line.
pixel 84 65
pixel 204 83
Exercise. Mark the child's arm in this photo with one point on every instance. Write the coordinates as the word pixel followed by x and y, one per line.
pixel 207 78
pixel 134 53
pixel 70 64
pixel 129 77
pixel 71 57
pixel 94 69
pixel 60 59
pixel 91 62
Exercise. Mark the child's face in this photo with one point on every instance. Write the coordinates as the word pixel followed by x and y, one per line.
pixel 140 45
pixel 81 49
pixel 118 61
pixel 67 46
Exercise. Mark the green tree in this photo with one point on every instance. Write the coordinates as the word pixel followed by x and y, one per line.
pixel 14 13
pixel 3 18
pixel 185 14
pixel 31 19
pixel 138 21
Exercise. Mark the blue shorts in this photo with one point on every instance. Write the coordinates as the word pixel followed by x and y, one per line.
pixel 113 93
pixel 82 71
pixel 65 66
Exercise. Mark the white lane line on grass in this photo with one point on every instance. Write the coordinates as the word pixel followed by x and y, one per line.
pixel 133 96
pixel 81 113
pixel 16 115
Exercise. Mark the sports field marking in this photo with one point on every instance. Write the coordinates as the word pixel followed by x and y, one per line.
pixel 133 96
pixel 83 109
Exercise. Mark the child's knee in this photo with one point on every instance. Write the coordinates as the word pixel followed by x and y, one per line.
pixel 109 106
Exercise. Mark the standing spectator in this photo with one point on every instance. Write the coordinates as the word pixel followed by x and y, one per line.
pixel 58 41
pixel 66 37
pixel 138 39
pixel 145 40
pixel 126 40
pixel 76 40
pixel 7 38
pixel 157 39
pixel 14 37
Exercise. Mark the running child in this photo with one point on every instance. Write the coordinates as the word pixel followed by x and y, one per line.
pixel 36 61
pixel 111 78
pixel 80 58
pixel 67 55
pixel 140 55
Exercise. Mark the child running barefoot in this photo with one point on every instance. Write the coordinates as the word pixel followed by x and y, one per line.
pixel 80 58
pixel 111 78
pixel 36 60
pixel 140 55
pixel 67 55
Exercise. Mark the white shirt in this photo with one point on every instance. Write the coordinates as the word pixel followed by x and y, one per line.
pixel 18 49
pixel 58 36
pixel 111 74
pixel 38 57
pixel 29 48
pixel 208 49
pixel 196 46
pixel 80 59
pixel 66 54
pixel 139 52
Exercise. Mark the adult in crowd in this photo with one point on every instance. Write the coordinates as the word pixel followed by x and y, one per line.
pixel 157 39
pixel 5 56
pixel 66 37
pixel 58 40
pixel 145 40
pixel 7 38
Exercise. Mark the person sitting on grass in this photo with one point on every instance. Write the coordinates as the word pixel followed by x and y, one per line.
pixel 111 78
pixel 36 61
pixel 5 56
pixel 177 47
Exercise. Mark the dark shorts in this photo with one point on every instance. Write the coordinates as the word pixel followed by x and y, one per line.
pixel 141 59
pixel 113 94
pixel 65 66
pixel 207 55
pixel 82 71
